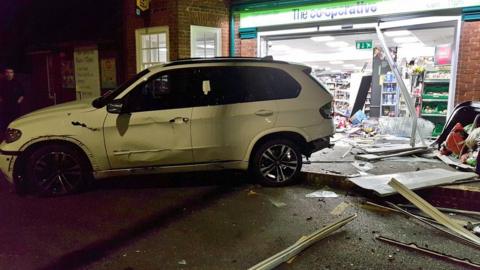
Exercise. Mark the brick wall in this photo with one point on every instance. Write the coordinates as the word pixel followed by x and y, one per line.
pixel 468 74
pixel 178 16
pixel 244 47
pixel 248 47
pixel 162 13
pixel 209 13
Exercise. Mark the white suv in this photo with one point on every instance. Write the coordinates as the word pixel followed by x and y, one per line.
pixel 188 115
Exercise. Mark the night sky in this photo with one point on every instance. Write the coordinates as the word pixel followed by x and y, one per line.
pixel 27 25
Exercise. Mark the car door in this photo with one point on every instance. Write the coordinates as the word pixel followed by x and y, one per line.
pixel 155 128
pixel 223 130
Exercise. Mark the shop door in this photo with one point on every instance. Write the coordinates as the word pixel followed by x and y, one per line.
pixel 44 79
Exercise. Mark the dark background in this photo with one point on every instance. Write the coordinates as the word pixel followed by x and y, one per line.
pixel 32 25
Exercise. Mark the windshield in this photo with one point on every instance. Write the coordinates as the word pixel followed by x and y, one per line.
pixel 110 95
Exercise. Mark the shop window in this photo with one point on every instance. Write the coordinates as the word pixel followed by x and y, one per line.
pixel 152 47
pixel 205 41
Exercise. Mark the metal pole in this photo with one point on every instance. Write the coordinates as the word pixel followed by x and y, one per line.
pixel 403 88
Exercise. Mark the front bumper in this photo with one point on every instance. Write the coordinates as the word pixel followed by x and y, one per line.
pixel 6 165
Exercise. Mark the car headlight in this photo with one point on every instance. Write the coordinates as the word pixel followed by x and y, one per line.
pixel 12 135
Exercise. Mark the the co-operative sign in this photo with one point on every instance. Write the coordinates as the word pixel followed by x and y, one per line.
pixel 348 9
pixel 332 13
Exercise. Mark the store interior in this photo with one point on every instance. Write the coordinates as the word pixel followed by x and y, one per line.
pixel 342 59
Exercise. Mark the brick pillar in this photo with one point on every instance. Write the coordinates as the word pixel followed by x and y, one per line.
pixel 248 47
pixel 468 74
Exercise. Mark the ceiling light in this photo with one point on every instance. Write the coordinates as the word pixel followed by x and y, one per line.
pixel 412 45
pixel 397 33
pixel 336 62
pixel 349 65
pixel 322 38
pixel 337 44
pixel 405 40
pixel 280 47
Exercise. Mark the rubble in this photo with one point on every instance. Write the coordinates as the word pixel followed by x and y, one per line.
pixel 413 180
pixel 433 212
pixel 412 246
pixel 301 244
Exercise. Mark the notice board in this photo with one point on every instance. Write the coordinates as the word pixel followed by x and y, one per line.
pixel 87 72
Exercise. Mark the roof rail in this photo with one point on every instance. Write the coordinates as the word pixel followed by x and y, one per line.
pixel 185 61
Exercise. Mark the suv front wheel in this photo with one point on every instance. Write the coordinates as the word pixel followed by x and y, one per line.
pixel 277 162
pixel 54 170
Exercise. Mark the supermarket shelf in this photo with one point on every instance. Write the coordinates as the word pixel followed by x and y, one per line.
pixel 342 100
pixel 435 100
pixel 437 81
pixel 389 104
pixel 385 92
pixel 433 115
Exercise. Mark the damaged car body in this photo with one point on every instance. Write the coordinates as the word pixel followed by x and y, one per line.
pixel 190 115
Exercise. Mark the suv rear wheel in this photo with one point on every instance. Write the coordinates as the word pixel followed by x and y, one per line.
pixel 55 170
pixel 277 162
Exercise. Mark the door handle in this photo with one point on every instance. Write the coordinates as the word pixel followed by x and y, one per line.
pixel 263 113
pixel 179 120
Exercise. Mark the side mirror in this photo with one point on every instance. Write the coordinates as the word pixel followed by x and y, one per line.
pixel 115 106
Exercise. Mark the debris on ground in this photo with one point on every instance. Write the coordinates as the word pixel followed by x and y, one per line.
pixel 430 252
pixel 433 212
pixel 413 180
pixel 325 192
pixel 300 245
pixel 276 203
pixel 272 200
pixel 362 166
pixel 339 209
pixel 182 262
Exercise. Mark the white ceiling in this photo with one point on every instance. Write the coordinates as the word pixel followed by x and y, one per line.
pixel 319 55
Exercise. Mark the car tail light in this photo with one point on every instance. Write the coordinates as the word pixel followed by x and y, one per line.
pixel 327 111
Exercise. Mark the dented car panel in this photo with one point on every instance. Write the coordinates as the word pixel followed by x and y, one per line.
pixel 148 138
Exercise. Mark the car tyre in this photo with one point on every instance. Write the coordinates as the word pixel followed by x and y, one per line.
pixel 277 163
pixel 55 170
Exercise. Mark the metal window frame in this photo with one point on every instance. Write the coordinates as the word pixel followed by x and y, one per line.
pixel 138 42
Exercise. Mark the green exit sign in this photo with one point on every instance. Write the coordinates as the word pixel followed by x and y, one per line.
pixel 363 44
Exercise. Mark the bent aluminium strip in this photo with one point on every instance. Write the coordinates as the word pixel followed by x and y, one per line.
pixel 413 246
pixel 432 211
pixel 300 245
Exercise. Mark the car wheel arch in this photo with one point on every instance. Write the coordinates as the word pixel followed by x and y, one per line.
pixel 31 146
pixel 297 137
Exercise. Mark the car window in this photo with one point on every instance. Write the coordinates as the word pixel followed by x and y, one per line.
pixel 166 90
pixel 230 85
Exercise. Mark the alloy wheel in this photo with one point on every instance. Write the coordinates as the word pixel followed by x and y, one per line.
pixel 279 163
pixel 57 173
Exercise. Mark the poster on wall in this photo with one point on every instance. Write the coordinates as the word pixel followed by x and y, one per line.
pixel 443 54
pixel 87 72
pixel 108 72
pixel 67 72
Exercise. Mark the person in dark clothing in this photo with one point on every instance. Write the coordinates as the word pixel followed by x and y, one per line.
pixel 11 96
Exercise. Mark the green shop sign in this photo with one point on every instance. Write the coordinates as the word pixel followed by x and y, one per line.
pixel 363 44
pixel 345 10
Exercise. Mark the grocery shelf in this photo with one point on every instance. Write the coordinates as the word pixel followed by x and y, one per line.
pixel 433 115
pixel 435 100
pixel 437 81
